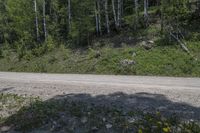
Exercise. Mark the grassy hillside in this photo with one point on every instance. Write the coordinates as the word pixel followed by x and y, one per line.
pixel 169 60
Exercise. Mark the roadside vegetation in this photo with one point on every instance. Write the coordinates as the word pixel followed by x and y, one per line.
pixel 27 114
pixel 156 38
pixel 160 60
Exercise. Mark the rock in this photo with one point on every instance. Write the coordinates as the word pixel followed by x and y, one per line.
pixel 131 120
pixel 89 113
pixel 84 120
pixel 134 54
pixel 151 42
pixel 104 119
pixel 130 38
pixel 191 120
pixel 154 127
pixel 97 54
pixel 147 44
pixel 94 128
pixel 108 126
pixel 5 129
pixel 127 62
pixel 179 130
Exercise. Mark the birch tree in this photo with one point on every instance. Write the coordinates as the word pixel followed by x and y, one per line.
pixel 96 17
pixel 136 14
pixel 146 12
pixel 107 17
pixel 99 16
pixel 114 14
pixel 119 13
pixel 36 20
pixel 69 15
pixel 44 19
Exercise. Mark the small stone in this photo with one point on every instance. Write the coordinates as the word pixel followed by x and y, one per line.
pixel 97 54
pixel 151 41
pixel 94 128
pixel 134 54
pixel 127 62
pixel 89 113
pixel 154 127
pixel 131 120
pixel 179 129
pixel 147 45
pixel 108 126
pixel 5 129
pixel 191 120
pixel 84 120
pixel 104 119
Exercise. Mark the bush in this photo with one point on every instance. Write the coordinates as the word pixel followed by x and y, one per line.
pixel 47 46
pixel 28 56
pixel 50 44
pixel 20 51
pixel 41 50
pixel 1 53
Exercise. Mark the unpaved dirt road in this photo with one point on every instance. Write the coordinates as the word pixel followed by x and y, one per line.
pixel 163 93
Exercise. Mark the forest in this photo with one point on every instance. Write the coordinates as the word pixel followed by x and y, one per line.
pixel 33 28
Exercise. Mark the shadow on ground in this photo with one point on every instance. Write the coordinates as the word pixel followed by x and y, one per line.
pixel 118 112
pixel 6 89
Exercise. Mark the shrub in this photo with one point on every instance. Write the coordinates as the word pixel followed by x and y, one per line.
pixel 50 44
pixel 1 53
pixel 21 51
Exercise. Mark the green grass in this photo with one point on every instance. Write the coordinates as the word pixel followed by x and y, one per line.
pixel 10 103
pixel 165 60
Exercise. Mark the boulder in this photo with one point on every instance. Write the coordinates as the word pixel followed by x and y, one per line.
pixel 147 44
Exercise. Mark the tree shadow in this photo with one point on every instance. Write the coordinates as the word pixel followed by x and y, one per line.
pixel 3 90
pixel 82 113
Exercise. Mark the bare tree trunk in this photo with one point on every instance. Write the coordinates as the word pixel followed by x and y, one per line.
pixel 114 13
pixel 107 17
pixel 183 44
pixel 69 15
pixel 146 12
pixel 99 16
pixel 136 14
pixel 96 17
pixel 44 19
pixel 119 14
pixel 162 16
pixel 36 20
pixel 122 9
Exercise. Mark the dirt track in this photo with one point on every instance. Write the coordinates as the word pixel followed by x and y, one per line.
pixel 176 94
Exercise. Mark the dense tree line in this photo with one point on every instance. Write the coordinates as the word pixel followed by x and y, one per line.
pixel 30 23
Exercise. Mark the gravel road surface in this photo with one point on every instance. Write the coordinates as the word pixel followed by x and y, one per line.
pixel 167 94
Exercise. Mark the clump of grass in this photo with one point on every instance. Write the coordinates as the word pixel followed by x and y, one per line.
pixel 11 103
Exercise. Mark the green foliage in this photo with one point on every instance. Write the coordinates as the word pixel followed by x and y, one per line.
pixel 1 53
pixel 166 60
pixel 49 44
pixel 23 52
pixel 18 20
